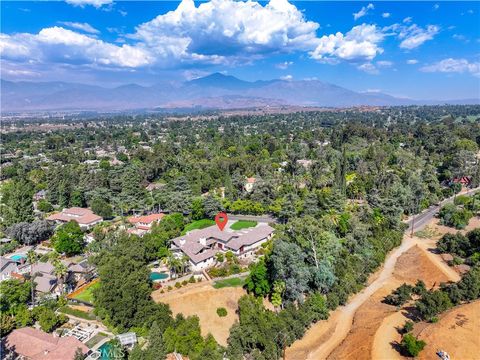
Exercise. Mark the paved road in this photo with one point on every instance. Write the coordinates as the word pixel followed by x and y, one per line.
pixel 428 214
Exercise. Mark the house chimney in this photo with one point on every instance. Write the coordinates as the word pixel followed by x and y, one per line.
pixel 203 241
pixel 182 242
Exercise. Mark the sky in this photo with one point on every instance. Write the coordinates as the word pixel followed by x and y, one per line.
pixel 419 50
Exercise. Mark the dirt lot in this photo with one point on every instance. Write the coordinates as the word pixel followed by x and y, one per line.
pixel 410 266
pixel 368 331
pixel 457 332
pixel 203 300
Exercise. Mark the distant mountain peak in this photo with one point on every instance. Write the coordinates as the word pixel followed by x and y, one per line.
pixel 220 80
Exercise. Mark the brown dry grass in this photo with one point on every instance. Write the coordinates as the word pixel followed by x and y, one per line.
pixel 412 265
pixel 457 332
pixel 203 301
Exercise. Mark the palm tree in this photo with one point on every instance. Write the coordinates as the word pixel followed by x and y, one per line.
pixel 60 271
pixel 174 264
pixel 32 260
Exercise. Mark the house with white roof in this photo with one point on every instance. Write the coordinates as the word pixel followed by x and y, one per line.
pixel 84 217
pixel 201 246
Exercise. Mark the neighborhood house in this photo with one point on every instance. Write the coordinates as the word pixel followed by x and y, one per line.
pixel 144 223
pixel 200 246
pixel 30 343
pixel 84 217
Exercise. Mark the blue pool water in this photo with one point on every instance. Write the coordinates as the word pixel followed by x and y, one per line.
pixel 158 276
pixel 18 257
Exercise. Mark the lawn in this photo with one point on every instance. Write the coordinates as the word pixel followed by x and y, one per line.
pixel 95 340
pixel 232 282
pixel 243 224
pixel 87 294
pixel 77 313
pixel 199 224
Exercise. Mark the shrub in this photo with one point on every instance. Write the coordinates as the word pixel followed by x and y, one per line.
pixel 219 256
pixel 407 327
pixel 412 345
pixel 222 312
pixel 192 279
pixel 433 303
pixel 169 288
pixel 184 282
pixel 399 296
pixel 178 285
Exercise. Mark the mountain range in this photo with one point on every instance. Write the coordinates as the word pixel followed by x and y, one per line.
pixel 215 91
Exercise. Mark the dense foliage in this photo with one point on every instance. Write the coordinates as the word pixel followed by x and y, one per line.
pixel 338 181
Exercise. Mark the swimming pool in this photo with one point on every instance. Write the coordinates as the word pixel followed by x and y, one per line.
pixel 18 257
pixel 154 276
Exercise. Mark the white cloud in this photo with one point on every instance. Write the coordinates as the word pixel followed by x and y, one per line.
pixel 413 36
pixel 384 63
pixel 83 3
pixel 360 43
pixel 460 37
pixel 284 65
pixel 436 6
pixel 386 15
pixel 407 20
pixel 215 32
pixel 229 28
pixel 286 77
pixel 60 45
pixel 80 26
pixel 412 61
pixel 451 65
pixel 369 68
pixel 363 11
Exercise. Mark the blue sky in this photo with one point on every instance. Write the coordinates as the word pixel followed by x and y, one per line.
pixel 422 50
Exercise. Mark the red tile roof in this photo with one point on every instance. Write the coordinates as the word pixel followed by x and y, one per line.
pixel 147 219
pixel 38 345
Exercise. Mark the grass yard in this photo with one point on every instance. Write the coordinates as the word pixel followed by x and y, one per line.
pixel 198 224
pixel 243 224
pixel 232 282
pixel 77 313
pixel 95 340
pixel 87 294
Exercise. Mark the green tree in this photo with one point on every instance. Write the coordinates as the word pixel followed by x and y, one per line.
pixel 68 239
pixel 412 345
pixel 257 282
pixel 123 298
pixel 198 212
pixel 14 294
pixel 17 202
pixel 101 207
pixel 156 347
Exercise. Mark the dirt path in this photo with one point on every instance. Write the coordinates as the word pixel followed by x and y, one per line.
pixel 309 343
pixel 316 345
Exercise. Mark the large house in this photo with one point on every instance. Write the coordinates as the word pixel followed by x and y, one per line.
pixel 32 344
pixel 144 223
pixel 200 246
pixel 45 280
pixel 84 217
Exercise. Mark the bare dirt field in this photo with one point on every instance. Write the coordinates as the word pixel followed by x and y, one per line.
pixel 410 266
pixel 366 328
pixel 457 332
pixel 203 300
